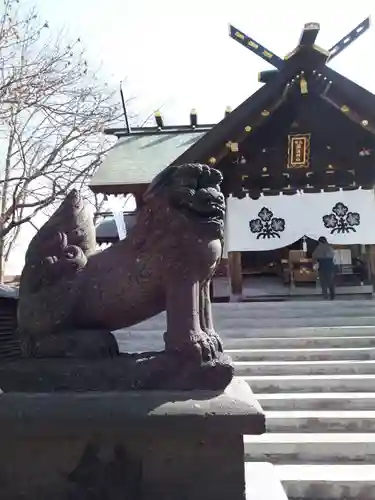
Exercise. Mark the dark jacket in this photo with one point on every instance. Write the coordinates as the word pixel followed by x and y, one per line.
pixel 324 255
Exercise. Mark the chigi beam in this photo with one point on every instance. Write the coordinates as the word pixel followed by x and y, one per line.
pixel 307 39
pixel 267 75
pixel 309 34
pixel 349 38
pixel 255 47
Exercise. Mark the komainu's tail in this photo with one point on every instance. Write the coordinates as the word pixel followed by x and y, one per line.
pixel 56 254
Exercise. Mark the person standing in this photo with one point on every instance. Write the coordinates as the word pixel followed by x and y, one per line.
pixel 324 255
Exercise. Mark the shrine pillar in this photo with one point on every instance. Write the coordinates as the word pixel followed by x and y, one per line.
pixel 371 262
pixel 235 272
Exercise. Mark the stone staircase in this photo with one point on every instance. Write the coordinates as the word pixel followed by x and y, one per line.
pixel 311 365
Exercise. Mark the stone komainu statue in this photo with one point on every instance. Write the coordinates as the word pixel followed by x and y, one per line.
pixel 165 263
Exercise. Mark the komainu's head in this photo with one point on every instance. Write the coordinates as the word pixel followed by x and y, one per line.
pixel 192 191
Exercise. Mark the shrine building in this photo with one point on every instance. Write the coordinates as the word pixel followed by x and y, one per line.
pixel 298 160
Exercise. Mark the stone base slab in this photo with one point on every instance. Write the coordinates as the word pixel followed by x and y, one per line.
pixel 149 445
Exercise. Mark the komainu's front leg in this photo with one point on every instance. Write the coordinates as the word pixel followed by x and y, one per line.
pixel 206 317
pixel 184 334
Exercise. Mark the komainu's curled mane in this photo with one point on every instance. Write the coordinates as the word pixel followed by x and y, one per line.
pixel 165 263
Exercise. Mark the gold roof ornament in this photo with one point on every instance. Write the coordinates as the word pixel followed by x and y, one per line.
pixel 265 112
pixel 303 86
pixel 247 128
pixel 364 123
pixel 212 160
pixel 345 108
pixel 240 35
pixel 312 26
pixel 193 118
pixel 158 119
pixel 234 147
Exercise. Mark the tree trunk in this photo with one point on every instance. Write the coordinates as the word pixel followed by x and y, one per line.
pixel 2 261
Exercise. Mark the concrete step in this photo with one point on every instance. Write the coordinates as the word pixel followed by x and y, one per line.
pixel 294 309
pixel 339 303
pixel 156 342
pixel 311 448
pixel 320 354
pixel 275 310
pixel 321 421
pixel 305 305
pixel 298 306
pixel 230 332
pixel 315 401
pixel 262 482
pixel 308 313
pixel 146 340
pixel 297 331
pixel 299 342
pixel 304 367
pixel 269 322
pixel 327 481
pixel 310 383
pixel 275 313
pixel 265 322
pixel 140 344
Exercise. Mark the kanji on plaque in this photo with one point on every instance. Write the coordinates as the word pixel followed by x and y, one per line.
pixel 299 151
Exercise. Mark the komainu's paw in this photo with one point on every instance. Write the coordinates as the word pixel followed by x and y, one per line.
pixel 215 340
pixel 199 346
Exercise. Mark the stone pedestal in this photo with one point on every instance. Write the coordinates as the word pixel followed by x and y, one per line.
pixel 149 445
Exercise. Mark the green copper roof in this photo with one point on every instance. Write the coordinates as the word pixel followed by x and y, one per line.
pixel 137 159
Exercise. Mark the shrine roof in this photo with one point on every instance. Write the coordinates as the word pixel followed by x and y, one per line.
pixel 305 68
pixel 355 102
pixel 138 158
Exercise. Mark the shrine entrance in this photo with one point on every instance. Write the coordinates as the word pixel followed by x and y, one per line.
pixel 267 259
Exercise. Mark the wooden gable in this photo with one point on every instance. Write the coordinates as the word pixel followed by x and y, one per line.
pixel 308 128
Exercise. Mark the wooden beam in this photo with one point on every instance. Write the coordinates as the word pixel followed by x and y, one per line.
pixel 255 47
pixel 309 34
pixel 267 75
pixel 349 38
pixel 351 114
pixel 235 272
pixel 263 115
pixel 372 261
pixel 167 129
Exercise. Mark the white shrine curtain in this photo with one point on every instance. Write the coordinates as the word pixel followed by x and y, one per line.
pixel 270 222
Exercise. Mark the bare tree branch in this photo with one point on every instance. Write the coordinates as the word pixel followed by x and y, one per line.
pixel 53 109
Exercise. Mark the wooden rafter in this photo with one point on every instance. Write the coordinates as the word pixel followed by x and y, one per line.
pixel 263 116
pixel 352 115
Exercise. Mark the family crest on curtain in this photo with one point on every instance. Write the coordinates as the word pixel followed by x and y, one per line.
pixel 270 222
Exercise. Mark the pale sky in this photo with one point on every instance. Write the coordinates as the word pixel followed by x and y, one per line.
pixel 179 55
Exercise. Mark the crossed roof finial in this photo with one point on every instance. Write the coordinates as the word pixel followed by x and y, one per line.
pixel 308 37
